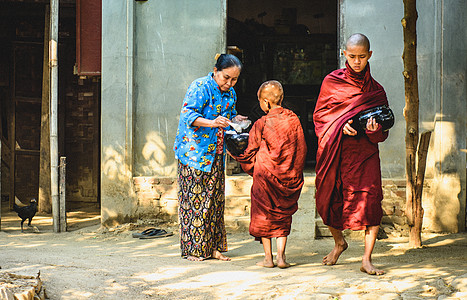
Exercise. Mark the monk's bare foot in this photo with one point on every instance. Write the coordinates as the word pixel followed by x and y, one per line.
pixel 281 263
pixel 194 258
pixel 266 263
pixel 217 255
pixel 367 267
pixel 333 256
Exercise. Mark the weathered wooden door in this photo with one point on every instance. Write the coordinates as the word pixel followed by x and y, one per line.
pixel 26 120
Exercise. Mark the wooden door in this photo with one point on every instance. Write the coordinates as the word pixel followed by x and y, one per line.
pixel 26 120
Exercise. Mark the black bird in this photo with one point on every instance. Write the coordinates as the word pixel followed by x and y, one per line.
pixel 26 212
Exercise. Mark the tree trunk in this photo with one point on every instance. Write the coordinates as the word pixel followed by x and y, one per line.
pixel 415 178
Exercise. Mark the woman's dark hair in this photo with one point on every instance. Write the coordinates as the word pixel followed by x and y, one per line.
pixel 226 61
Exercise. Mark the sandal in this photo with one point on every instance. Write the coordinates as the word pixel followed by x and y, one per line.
pixel 144 232
pixel 156 234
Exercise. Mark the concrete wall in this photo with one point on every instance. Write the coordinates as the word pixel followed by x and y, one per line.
pixel 151 52
pixel 175 43
pixel 442 61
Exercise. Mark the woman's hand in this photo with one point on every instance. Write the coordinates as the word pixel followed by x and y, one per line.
pixel 220 121
pixel 348 129
pixel 371 124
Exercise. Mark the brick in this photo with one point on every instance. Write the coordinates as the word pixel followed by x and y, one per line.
pixel 401 193
pixel 167 181
pixel 400 182
pixel 387 182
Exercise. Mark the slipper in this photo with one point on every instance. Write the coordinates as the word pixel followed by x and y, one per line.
pixel 144 232
pixel 156 234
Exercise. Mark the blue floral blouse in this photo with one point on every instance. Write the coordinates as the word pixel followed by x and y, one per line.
pixel 196 146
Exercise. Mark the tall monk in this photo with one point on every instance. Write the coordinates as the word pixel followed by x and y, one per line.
pixel 348 172
pixel 275 157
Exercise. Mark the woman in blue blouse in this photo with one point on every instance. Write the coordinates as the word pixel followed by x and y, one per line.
pixel 208 107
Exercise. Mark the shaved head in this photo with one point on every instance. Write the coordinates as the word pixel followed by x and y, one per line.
pixel 272 90
pixel 358 39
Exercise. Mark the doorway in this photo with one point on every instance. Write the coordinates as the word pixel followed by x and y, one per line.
pixel 21 84
pixel 294 42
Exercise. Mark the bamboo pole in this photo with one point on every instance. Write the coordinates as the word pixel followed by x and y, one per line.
pixel 53 65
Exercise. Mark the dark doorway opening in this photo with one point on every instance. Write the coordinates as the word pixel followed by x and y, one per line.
pixel 294 42
pixel 22 51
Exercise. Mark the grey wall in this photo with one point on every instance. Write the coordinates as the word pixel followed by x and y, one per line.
pixel 385 33
pixel 151 52
pixel 117 199
pixel 175 43
pixel 442 67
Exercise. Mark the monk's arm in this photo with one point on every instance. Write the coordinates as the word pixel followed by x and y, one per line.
pixel 248 158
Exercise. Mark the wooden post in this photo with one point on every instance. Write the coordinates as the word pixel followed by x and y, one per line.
pixel 53 65
pixel 0 183
pixel 44 201
pixel 63 224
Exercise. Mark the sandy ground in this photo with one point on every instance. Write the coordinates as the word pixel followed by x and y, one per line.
pixel 90 263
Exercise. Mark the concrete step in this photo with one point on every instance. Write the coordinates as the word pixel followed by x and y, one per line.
pixel 239 185
pixel 237 223
pixel 321 229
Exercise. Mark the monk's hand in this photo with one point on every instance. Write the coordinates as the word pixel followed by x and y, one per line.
pixel 220 121
pixel 239 118
pixel 371 124
pixel 348 129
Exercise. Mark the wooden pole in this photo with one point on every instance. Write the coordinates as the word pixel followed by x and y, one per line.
pixel 53 65
pixel 0 183
pixel 44 201
pixel 63 224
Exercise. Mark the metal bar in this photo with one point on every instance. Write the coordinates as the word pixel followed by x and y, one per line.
pixel 53 65
pixel 63 224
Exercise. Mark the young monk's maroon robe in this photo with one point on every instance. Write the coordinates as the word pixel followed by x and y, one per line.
pixel 348 174
pixel 275 157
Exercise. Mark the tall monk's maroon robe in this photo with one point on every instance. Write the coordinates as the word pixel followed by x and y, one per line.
pixel 348 172
pixel 275 157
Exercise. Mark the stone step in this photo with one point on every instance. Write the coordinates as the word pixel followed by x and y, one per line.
pixel 321 229
pixel 237 211
pixel 237 223
pixel 239 185
pixel 237 200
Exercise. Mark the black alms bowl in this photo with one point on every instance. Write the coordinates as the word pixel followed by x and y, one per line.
pixel 382 114
pixel 236 143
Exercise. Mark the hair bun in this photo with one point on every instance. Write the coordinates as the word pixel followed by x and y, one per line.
pixel 217 56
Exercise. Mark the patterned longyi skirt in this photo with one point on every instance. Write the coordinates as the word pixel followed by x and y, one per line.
pixel 201 210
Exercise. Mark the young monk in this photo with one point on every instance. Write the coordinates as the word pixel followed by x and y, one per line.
pixel 275 157
pixel 348 174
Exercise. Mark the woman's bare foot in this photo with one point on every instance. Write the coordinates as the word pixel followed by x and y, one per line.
pixel 195 258
pixel 217 255
pixel 333 256
pixel 267 263
pixel 367 267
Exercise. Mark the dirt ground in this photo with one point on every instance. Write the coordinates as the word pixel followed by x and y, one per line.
pixel 91 263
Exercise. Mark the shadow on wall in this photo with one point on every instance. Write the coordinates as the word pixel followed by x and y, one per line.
pixel 114 166
pixel 155 154
pixel 445 205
